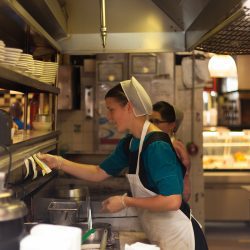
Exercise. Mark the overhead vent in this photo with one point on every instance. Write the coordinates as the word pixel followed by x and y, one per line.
pixel 232 38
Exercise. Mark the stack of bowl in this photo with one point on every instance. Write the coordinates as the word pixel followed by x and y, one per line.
pixel 49 72
pixel 38 69
pixel 2 46
pixel 11 56
pixel 25 63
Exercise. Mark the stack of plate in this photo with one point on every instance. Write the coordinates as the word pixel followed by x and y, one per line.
pixel 38 69
pixel 11 56
pixel 2 46
pixel 25 63
pixel 49 72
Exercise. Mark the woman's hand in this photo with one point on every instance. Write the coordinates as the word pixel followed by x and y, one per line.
pixel 114 204
pixel 53 161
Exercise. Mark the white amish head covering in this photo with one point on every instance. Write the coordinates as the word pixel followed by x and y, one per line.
pixel 137 95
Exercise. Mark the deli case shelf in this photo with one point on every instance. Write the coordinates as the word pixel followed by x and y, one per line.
pixel 226 150
pixel 226 165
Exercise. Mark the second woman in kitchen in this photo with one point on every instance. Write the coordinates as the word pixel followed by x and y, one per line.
pixel 168 119
pixel 155 173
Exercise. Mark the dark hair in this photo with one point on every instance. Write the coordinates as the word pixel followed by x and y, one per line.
pixel 117 93
pixel 166 111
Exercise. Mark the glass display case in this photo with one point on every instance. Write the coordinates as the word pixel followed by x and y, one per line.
pixel 226 150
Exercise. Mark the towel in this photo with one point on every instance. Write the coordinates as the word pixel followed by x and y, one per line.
pixel 141 246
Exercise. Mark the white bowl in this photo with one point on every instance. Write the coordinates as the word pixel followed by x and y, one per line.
pixel 41 126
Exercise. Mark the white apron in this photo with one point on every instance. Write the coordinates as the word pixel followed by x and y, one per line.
pixel 170 230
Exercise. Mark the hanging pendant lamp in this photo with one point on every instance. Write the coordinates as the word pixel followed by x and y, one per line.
pixel 222 66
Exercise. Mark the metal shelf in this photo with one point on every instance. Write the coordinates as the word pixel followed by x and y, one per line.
pixel 12 80
pixel 25 145
pixel 31 137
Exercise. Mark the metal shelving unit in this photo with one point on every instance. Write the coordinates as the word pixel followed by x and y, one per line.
pixel 27 34
pixel 12 80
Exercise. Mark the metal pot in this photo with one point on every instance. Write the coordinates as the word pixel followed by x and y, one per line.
pixel 12 212
pixel 72 193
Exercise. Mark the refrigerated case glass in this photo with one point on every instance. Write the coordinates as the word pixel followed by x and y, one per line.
pixel 226 151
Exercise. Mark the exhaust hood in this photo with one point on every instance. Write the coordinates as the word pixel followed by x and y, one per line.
pixel 144 25
pixel 160 26
pixel 223 30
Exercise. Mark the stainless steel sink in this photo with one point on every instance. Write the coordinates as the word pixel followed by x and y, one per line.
pixel 121 221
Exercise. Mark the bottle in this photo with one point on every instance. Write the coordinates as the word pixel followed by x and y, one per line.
pixel 34 108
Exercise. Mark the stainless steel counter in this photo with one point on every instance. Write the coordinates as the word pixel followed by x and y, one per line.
pixel 124 220
pixel 225 197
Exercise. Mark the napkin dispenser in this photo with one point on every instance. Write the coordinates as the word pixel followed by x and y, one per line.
pixel 5 128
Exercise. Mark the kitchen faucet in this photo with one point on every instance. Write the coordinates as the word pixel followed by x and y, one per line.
pixel 89 213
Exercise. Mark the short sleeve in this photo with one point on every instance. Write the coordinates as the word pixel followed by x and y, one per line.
pixel 163 168
pixel 117 160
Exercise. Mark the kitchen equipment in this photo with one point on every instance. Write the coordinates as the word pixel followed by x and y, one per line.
pixel 87 234
pixel 29 225
pixel 63 213
pixel 12 212
pixel 104 240
pixel 97 236
pixel 94 238
pixel 51 237
pixel 42 126
pixel 5 128
pixel 43 118
pixel 69 83
pixel 71 193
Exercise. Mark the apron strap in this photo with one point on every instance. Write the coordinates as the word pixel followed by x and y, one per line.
pixel 143 134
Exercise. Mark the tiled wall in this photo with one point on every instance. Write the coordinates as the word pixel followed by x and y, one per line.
pixel 7 98
pixel 78 130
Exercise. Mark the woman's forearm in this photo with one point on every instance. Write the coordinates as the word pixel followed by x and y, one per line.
pixel 157 203
pixel 83 171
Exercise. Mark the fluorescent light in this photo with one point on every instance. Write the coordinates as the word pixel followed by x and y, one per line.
pixel 222 66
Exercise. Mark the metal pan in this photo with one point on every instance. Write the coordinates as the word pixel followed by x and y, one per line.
pixel 71 193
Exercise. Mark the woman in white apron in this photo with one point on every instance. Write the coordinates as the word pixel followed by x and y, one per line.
pixel 158 204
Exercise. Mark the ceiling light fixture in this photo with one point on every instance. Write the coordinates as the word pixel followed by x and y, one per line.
pixel 222 66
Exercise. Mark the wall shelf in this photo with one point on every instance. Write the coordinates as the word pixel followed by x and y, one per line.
pixel 29 137
pixel 12 80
